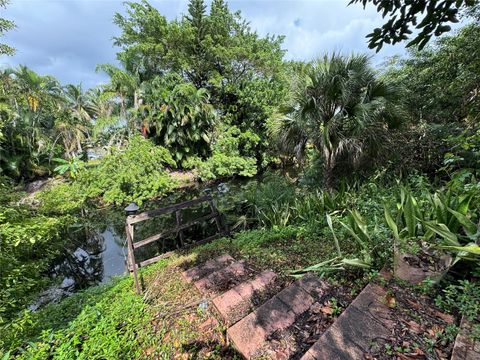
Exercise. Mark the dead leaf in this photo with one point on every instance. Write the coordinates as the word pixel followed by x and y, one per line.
pixel 413 304
pixel 401 356
pixel 414 326
pixel 391 302
pixel 449 319
pixel 327 310
pixel 418 351
pixel 435 331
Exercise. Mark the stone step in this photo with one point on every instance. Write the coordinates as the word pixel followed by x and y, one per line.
pixel 224 279
pixel 251 334
pixel 237 302
pixel 356 330
pixel 466 348
pixel 207 268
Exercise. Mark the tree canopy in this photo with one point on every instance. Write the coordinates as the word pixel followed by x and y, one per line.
pixel 428 17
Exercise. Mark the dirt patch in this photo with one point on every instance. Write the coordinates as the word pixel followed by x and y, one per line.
pixel 420 330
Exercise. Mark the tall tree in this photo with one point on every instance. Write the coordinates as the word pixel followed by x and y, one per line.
pixel 215 51
pixel 339 106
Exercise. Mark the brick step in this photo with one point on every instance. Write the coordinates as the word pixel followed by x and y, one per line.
pixel 237 302
pixel 466 348
pixel 224 279
pixel 251 335
pixel 356 330
pixel 207 268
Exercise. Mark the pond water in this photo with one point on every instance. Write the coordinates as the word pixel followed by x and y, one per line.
pixel 96 249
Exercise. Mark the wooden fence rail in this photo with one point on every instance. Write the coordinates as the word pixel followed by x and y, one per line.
pixel 177 231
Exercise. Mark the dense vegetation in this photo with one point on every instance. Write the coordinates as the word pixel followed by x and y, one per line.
pixel 386 160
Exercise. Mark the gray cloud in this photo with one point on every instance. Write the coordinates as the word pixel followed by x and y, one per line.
pixel 69 38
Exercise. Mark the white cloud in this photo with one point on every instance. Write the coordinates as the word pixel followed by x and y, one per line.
pixel 68 38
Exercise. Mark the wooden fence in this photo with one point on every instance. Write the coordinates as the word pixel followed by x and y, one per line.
pixel 177 230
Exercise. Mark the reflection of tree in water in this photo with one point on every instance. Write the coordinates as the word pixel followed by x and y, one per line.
pixel 82 258
pixel 81 262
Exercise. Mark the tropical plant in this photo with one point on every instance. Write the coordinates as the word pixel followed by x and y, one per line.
pixel 71 166
pixel 358 230
pixel 135 173
pixel 232 154
pixel 5 25
pixel 340 107
pixel 182 118
pixel 407 225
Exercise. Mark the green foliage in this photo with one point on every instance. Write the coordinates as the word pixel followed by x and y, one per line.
pixel 63 198
pixel 180 117
pixel 71 166
pixel 233 154
pixel 427 18
pixel 5 25
pixel 40 120
pixel 105 322
pixel 339 106
pixel 463 296
pixel 29 242
pixel 135 174
pixel 439 83
pixel 201 62
pixel 270 202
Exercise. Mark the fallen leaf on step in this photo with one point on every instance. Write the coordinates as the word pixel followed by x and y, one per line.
pixel 435 331
pixel 418 351
pixel 391 302
pixel 327 310
pixel 449 319
pixel 415 327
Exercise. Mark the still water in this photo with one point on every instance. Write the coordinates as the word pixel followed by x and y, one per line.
pixel 96 249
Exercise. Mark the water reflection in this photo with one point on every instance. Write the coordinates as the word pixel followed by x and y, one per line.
pixel 96 250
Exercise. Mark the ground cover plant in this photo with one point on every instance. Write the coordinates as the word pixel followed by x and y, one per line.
pixel 345 166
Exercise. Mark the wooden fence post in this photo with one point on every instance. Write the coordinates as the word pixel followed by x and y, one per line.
pixel 131 256
pixel 178 217
pixel 217 216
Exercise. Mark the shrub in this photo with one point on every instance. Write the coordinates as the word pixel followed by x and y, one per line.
pixel 105 322
pixel 232 155
pixel 62 198
pixel 28 243
pixel 135 174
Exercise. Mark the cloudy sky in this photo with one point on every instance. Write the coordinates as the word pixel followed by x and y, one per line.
pixel 67 38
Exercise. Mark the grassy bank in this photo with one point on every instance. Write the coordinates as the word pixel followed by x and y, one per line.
pixel 111 321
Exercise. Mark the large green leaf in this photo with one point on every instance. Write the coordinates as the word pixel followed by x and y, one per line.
pixel 391 223
pixel 469 227
pixel 330 225
pixel 443 231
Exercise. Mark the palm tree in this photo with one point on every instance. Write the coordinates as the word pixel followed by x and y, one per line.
pixel 38 90
pixel 78 102
pixel 126 85
pixel 339 106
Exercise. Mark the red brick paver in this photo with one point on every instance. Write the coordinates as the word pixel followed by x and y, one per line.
pixel 251 334
pixel 223 279
pixel 356 330
pixel 465 347
pixel 207 268
pixel 238 301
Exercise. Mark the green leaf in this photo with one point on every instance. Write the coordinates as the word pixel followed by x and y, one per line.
pixel 443 231
pixel 391 223
pixel 330 225
pixel 469 227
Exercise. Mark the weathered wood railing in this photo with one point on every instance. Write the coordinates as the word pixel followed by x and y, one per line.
pixel 177 230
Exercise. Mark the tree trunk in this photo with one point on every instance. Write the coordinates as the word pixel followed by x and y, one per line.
pixel 79 145
pixel 328 165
